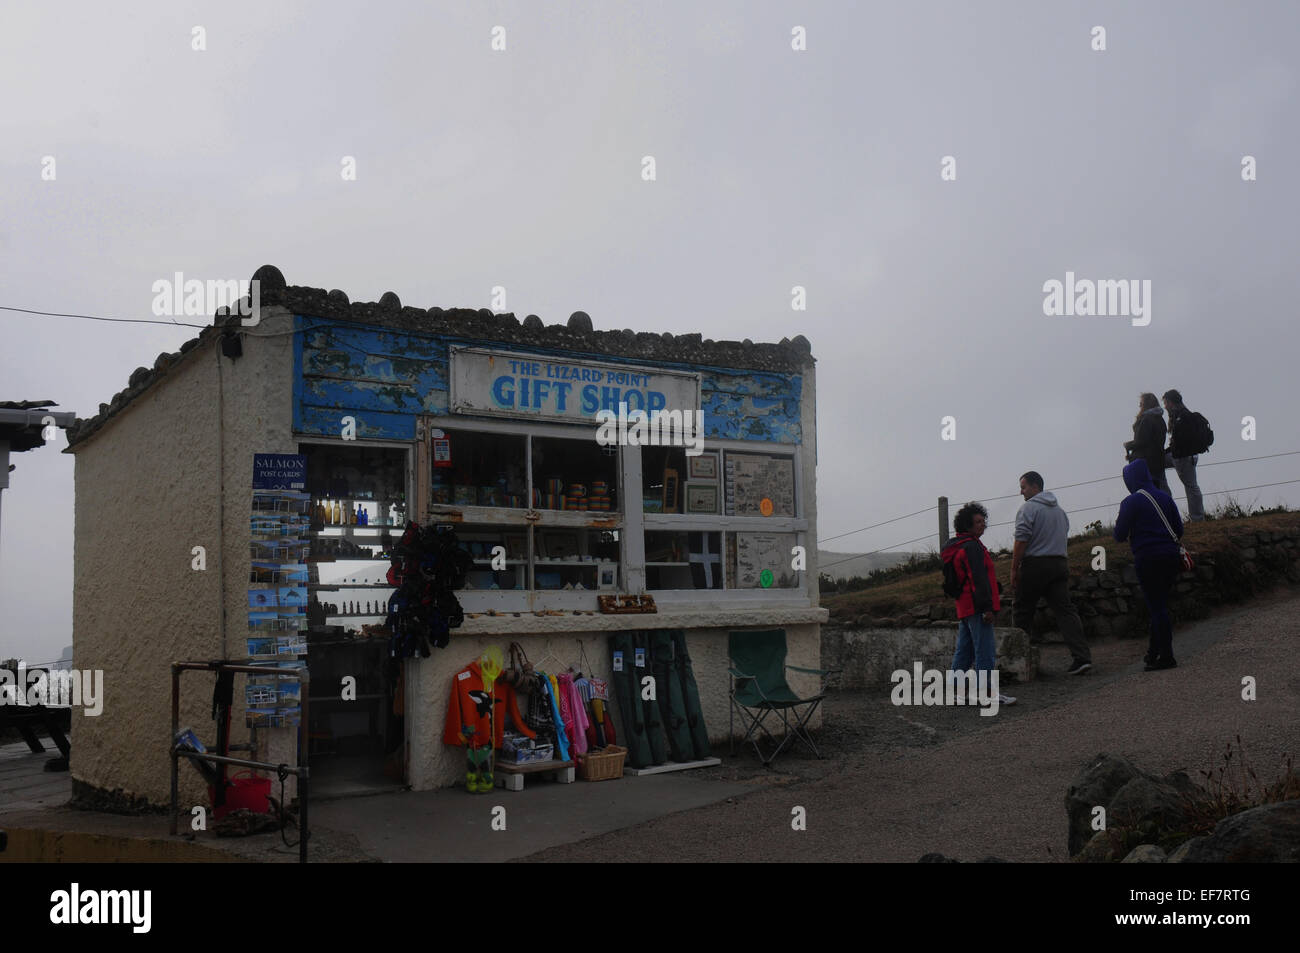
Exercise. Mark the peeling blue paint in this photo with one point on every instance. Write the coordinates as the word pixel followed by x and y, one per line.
pixel 385 378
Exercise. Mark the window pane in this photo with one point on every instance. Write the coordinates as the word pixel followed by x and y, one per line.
pixel 683 560
pixel 573 474
pixel 759 484
pixel 478 469
pixel 663 479
pixel 761 560
pixel 580 559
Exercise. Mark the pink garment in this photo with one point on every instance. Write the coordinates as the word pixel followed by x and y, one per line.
pixel 580 720
pixel 572 715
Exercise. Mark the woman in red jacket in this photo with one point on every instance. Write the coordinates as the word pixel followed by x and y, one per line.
pixel 979 597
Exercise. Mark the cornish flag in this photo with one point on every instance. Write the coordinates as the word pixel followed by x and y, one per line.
pixel 706 566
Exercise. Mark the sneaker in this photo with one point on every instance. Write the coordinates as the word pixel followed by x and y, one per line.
pixel 1005 700
pixel 1160 664
pixel 1078 668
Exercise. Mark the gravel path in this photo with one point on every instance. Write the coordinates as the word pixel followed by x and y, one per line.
pixel 905 781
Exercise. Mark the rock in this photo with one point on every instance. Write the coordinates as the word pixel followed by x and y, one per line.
pixel 1098 850
pixel 1145 854
pixel 580 321
pixel 1095 785
pixel 1205 573
pixel 1107 606
pixel 1088 583
pixel 920 611
pixel 1248 553
pixel 533 322
pixel 1109 580
pixel 1121 606
pixel 1268 835
pixel 269 278
pixel 1145 799
pixel 1180 853
pixel 1241 542
pixel 1130 575
pixel 927 858
pixel 138 376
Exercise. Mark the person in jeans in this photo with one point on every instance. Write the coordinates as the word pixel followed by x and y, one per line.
pixel 979 597
pixel 1039 567
pixel 1156 555
pixel 1148 441
pixel 1184 463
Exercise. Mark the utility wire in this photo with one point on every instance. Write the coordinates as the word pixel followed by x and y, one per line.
pixel 1067 486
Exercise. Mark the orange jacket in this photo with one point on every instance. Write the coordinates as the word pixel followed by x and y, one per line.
pixel 467 711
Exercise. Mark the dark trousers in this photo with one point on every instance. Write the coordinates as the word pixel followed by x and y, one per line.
pixel 1050 576
pixel 1157 575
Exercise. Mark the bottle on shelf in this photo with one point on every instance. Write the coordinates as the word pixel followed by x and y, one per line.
pixel 334 517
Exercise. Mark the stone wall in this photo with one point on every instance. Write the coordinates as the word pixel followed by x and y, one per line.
pixel 1109 603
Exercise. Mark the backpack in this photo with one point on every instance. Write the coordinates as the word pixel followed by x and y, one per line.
pixel 1196 434
pixel 952 585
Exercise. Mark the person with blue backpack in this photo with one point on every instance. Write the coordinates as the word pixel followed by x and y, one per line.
pixel 1149 520
pixel 970 578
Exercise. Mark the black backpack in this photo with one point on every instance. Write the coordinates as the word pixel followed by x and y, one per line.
pixel 952 585
pixel 1197 437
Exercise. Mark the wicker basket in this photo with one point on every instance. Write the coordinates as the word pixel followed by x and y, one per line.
pixel 604 764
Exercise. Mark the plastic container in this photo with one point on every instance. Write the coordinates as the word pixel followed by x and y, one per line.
pixel 243 790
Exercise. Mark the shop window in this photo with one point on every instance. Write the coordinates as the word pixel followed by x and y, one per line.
pixel 470 468
pixel 683 560
pixel 574 475
pixel 358 512
pixel 761 561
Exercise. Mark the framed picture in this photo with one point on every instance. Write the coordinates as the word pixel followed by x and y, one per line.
pixel 701 498
pixel 703 467
pixel 606 576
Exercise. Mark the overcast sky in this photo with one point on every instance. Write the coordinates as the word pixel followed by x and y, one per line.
pixel 775 167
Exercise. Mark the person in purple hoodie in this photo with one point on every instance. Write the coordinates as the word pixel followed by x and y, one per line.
pixel 1155 544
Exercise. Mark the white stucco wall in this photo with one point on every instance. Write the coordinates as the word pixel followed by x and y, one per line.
pixel 147 492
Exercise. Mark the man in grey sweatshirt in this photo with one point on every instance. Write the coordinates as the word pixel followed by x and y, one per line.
pixel 1039 567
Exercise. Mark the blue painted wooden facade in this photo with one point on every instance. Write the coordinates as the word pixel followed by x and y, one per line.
pixel 385 378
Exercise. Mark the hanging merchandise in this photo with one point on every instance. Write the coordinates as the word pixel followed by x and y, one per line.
pixel 672 707
pixel 672 724
pixel 627 689
pixel 690 696
pixel 654 725
pixel 475 722
pixel 429 564
pixel 548 686
pixel 576 725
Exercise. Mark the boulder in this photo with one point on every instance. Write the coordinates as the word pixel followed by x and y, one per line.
pixel 1268 835
pixel 1094 786
pixel 1145 854
pixel 1142 800
pixel 1099 849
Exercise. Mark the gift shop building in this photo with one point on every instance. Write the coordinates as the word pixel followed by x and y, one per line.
pixel 529 441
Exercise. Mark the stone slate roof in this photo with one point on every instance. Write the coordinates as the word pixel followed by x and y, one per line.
pixel 790 355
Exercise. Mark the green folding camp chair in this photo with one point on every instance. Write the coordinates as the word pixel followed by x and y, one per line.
pixel 759 689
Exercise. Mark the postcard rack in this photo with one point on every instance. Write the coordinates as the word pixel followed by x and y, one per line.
pixel 300 771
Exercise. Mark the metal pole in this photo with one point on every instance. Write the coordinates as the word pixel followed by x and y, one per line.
pixel 304 736
pixel 943 521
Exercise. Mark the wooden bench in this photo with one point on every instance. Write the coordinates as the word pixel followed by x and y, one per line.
pixel 26 718
pixel 511 776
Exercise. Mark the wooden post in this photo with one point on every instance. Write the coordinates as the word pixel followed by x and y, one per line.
pixel 943 521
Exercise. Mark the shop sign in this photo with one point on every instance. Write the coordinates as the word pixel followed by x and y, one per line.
pixel 549 388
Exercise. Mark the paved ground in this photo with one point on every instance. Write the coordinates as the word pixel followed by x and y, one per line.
pixel 899 782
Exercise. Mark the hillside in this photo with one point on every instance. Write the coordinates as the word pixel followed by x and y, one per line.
pixel 1213 540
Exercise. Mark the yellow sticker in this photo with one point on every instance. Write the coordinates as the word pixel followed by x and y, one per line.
pixel 765 506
